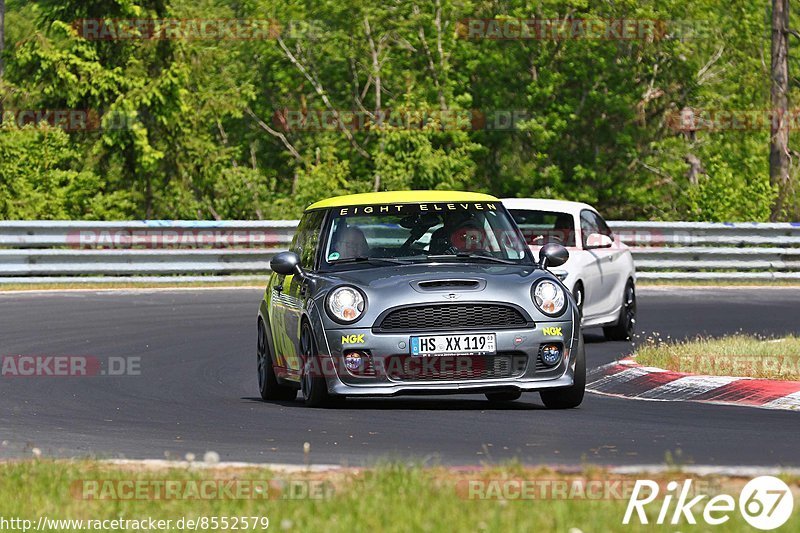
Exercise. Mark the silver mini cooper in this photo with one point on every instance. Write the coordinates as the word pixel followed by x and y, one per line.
pixel 417 292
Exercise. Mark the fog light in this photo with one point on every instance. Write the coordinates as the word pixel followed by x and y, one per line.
pixel 551 354
pixel 354 361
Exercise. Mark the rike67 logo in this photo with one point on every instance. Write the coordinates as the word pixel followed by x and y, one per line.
pixel 765 503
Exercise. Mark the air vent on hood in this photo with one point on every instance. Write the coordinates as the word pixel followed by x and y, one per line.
pixel 449 284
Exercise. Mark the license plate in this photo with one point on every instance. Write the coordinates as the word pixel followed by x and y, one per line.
pixel 453 344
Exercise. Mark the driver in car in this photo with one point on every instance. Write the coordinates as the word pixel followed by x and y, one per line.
pixel 459 233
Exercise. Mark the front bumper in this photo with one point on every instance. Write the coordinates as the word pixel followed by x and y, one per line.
pixel 519 345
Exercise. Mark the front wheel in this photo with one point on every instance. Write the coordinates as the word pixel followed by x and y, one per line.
pixel 626 324
pixel 572 396
pixel 313 385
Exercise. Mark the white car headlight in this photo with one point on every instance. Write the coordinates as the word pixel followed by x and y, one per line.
pixel 549 297
pixel 346 304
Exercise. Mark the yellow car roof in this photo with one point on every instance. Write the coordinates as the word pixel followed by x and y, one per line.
pixel 402 197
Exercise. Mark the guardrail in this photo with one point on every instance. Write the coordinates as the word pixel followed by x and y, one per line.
pixel 156 250
pixel 151 250
pixel 713 251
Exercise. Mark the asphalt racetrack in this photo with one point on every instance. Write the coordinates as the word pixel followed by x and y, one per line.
pixel 197 391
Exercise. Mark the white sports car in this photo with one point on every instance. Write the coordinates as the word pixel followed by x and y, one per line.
pixel 600 271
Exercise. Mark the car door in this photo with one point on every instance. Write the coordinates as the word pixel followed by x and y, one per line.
pixel 289 293
pixel 592 274
pixel 606 262
pixel 612 267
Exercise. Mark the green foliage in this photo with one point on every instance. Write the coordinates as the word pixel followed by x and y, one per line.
pixel 424 157
pixel 192 128
pixel 734 188
pixel 40 180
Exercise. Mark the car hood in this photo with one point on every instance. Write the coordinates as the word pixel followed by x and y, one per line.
pixel 392 275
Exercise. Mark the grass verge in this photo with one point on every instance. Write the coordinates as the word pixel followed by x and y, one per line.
pixel 387 498
pixel 735 355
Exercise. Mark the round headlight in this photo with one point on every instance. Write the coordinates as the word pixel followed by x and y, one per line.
pixel 549 298
pixel 346 304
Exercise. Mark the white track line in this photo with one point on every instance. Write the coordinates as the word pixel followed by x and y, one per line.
pixel 791 401
pixel 614 379
pixel 687 387
pixel 157 464
pixel 700 470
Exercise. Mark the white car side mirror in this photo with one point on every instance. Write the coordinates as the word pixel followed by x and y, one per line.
pixel 598 240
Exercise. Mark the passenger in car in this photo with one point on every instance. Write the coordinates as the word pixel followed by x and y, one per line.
pixel 350 242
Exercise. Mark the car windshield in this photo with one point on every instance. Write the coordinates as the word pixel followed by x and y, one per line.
pixel 543 227
pixel 387 234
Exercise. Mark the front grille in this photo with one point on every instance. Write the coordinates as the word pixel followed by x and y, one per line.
pixel 452 317
pixel 453 368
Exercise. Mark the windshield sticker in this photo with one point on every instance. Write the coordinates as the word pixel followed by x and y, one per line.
pixel 416 208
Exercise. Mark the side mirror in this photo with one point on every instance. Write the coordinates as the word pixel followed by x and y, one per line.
pixel 286 263
pixel 552 255
pixel 598 240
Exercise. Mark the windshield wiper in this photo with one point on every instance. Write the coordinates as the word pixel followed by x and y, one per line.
pixel 365 259
pixel 465 255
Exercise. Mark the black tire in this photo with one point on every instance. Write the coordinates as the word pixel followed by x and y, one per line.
pixel 267 381
pixel 569 397
pixel 313 386
pixel 626 324
pixel 506 396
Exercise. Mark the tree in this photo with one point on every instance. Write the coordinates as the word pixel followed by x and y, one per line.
pixel 397 95
pixel 2 53
pixel 779 134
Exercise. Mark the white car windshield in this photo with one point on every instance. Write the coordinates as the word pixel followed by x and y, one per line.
pixel 543 227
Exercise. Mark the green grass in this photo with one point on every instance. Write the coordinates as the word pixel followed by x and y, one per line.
pixel 388 498
pixel 735 355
